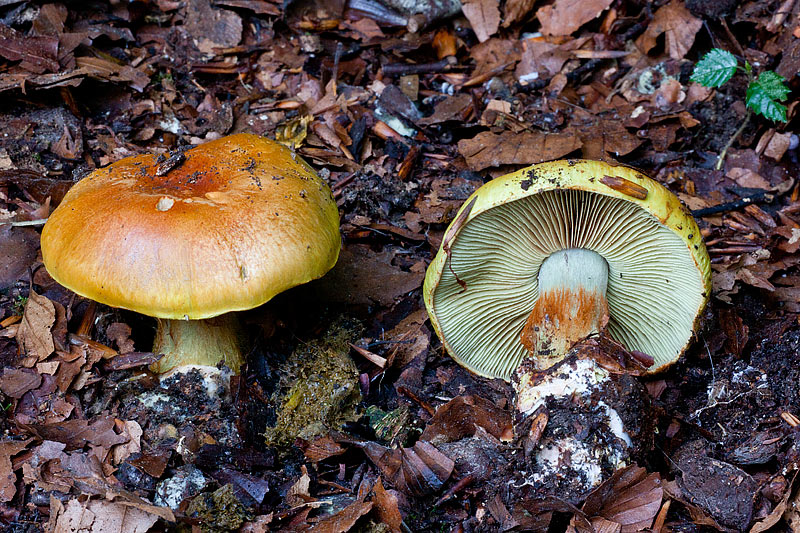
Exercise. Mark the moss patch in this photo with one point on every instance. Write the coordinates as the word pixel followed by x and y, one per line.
pixel 318 387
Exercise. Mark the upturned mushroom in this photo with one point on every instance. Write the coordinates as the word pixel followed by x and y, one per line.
pixel 544 257
pixel 190 237
pixel 539 262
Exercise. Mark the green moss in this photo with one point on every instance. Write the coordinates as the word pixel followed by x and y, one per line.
pixel 219 511
pixel 318 387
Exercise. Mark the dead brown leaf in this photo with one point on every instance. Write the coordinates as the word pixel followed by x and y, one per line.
pixel 18 246
pixel 212 28
pixel 104 69
pixel 457 107
pixel 298 493
pixel 15 382
pixel 631 499
pixel 565 16
pixel 517 11
pixel 38 54
pixel 33 334
pixel 677 24
pixel 386 507
pixel 362 277
pixel 461 416
pixel 489 149
pixel 484 16
pixel 540 59
pixel 8 480
pixel 419 471
pixel 120 333
pixel 97 516
pixel 322 448
pixel 344 520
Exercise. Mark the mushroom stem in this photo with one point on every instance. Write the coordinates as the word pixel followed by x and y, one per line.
pixel 205 342
pixel 572 305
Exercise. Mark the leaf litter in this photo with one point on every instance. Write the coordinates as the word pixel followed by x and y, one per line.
pixel 404 113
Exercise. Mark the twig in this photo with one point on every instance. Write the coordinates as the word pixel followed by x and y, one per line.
pixel 37 222
pixel 403 69
pixel 765 196
pixel 732 140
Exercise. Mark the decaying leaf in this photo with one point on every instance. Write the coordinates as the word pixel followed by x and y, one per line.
pixel 344 520
pixel 386 507
pixel 630 499
pixel 8 480
pixel 34 333
pixel 461 416
pixel 18 247
pixel 488 149
pixel 678 25
pixel 565 16
pixel 15 382
pixel 419 471
pixel 483 15
pixel 97 516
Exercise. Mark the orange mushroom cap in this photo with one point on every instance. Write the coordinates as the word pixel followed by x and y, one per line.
pixel 225 226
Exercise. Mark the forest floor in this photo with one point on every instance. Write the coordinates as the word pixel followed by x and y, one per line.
pixel 403 126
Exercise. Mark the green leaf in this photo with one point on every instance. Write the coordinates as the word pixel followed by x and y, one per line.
pixel 715 68
pixel 765 92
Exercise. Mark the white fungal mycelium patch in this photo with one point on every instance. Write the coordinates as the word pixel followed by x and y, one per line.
pixel 579 376
pixel 552 457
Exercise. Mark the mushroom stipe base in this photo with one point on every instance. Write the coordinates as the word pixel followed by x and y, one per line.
pixel 205 342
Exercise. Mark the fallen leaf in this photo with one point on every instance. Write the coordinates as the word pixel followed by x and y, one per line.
pixel 97 516
pixel 488 149
pixel 747 178
pixel 483 15
pixel 461 416
pixel 321 448
pixel 516 11
pixel 15 382
pixel 212 28
pixel 677 24
pixel 38 54
pixel 8 480
pixel 540 59
pixel 363 277
pixel 33 334
pixel 298 493
pixel 344 520
pixel 565 16
pixel 456 108
pixel 418 471
pixel 18 246
pixel 120 333
pixel 386 507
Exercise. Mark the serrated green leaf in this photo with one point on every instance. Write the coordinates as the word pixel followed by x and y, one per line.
pixel 773 84
pixel 715 68
pixel 765 92
pixel 763 105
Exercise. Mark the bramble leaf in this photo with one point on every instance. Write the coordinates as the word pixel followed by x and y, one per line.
pixel 715 68
pixel 764 94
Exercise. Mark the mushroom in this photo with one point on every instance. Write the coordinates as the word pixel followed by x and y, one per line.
pixel 192 236
pixel 541 258
pixel 539 262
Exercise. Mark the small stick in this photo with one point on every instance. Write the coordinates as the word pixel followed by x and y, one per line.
pixel 37 222
pixel 765 196
pixel 369 356
pixel 732 140
pixel 419 401
pixel 461 484
pixel 404 69
pixel 87 321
